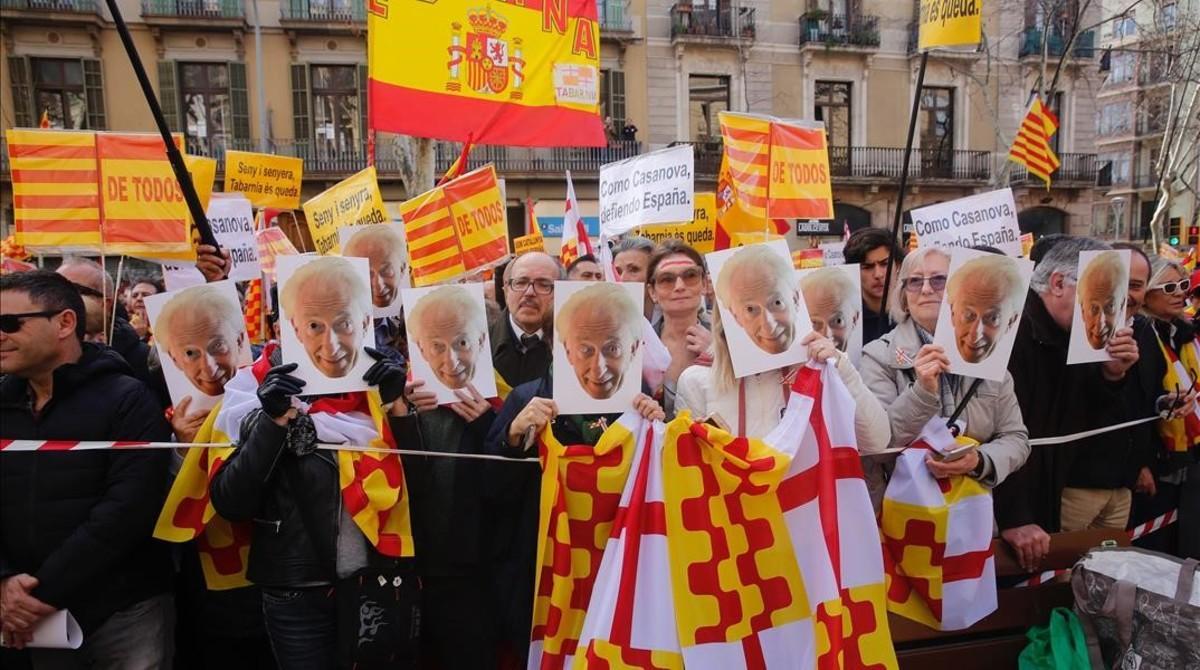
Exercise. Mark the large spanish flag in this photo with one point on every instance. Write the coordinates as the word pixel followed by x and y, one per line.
pixel 56 200
pixel 522 73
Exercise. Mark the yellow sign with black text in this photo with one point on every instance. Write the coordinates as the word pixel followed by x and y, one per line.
pixel 354 201
pixel 950 23
pixel 266 180
pixel 699 234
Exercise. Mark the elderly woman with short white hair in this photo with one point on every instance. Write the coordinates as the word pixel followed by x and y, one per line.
pixel 909 375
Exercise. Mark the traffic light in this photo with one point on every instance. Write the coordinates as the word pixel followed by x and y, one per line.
pixel 1174 240
pixel 1193 236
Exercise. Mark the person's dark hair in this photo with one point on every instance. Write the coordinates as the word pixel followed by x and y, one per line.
pixel 1135 248
pixel 671 247
pixel 498 280
pixel 988 248
pixel 1045 243
pixel 49 291
pixel 865 240
pixel 586 258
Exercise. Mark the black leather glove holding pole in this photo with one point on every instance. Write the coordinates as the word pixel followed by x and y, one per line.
pixel 277 388
pixel 386 374
pixel 173 155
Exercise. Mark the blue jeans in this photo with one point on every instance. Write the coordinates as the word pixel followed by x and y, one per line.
pixel 302 626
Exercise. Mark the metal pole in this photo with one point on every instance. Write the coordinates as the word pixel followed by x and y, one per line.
pixel 258 74
pixel 912 129
pixel 173 155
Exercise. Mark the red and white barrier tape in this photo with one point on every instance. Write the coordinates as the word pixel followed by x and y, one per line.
pixel 1139 531
pixel 16 446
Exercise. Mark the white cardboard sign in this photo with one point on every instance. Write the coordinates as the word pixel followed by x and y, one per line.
pixel 657 187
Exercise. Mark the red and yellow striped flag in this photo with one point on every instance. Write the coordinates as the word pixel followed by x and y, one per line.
pixel 457 227
pixel 254 311
pixel 143 206
pixel 56 196
pixel 780 168
pixel 1031 147
pixel 748 155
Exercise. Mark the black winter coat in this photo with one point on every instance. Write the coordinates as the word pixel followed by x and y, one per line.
pixel 81 521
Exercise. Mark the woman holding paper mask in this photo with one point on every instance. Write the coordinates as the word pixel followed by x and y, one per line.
pixel 908 374
pixel 753 405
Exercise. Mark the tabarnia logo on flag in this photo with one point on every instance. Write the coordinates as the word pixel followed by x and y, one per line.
pixel 486 53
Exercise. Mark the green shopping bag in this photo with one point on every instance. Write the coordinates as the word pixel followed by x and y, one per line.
pixel 1059 645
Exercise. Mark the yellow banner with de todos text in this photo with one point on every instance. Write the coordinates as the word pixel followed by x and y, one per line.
pixel 354 201
pixel 266 180
pixel 950 23
pixel 144 213
pixel 699 234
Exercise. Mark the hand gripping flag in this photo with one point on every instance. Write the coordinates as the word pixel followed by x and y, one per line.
pixel 574 232
pixel 1031 147
pixel 513 73
pixel 720 552
pixel 373 488
pixel 937 537
pixel 1180 436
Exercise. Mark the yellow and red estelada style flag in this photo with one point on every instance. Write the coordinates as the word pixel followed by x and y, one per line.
pixel 56 197
pixel 374 491
pixel 707 550
pixel 937 539
pixel 1031 147
pixel 779 168
pixel 455 228
pixel 524 74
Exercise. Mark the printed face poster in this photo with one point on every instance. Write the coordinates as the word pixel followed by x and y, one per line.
pixel 597 346
pixel 449 347
pixel 1101 292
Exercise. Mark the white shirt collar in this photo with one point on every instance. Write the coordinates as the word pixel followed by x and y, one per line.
pixel 519 331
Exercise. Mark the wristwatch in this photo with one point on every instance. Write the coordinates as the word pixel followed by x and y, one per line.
pixel 980 467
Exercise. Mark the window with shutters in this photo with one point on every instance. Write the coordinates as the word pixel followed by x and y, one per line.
pixel 336 117
pixel 708 96
pixel 207 106
pixel 612 102
pixel 832 107
pixel 58 92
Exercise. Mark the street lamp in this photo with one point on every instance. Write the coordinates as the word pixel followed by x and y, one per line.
pixel 1118 214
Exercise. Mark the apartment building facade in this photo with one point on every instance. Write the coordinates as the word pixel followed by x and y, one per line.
pixel 1148 58
pixel 668 69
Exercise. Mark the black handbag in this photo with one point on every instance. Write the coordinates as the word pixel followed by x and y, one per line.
pixel 379 614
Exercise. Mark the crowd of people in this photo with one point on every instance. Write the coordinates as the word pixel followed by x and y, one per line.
pixel 76 528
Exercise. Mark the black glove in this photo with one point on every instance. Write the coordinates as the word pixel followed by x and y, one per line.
pixel 385 373
pixel 277 388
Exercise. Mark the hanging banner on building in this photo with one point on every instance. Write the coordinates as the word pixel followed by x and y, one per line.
pixel 267 180
pixel 651 188
pixel 456 228
pixel 950 23
pixel 56 199
pixel 232 221
pixel 144 213
pixel 699 234
pixel 354 201
pixel 523 74
pixel 985 219
pixel 779 168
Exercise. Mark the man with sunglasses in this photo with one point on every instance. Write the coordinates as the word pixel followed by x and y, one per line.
pixel 75 527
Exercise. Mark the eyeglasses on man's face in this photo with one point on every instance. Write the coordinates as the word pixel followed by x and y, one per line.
pixel 540 286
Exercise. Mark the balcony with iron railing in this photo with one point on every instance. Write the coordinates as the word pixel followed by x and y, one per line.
pixel 694 23
pixel 839 31
pixel 1074 171
pixel 58 11
pixel 185 13
pixel 1056 43
pixel 322 14
pixel 850 165
pixel 615 17
pixel 522 161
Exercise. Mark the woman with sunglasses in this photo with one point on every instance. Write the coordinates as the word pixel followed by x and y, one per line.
pixel 677 284
pixel 908 374
pixel 1177 364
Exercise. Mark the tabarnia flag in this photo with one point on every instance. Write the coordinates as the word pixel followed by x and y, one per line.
pixel 515 73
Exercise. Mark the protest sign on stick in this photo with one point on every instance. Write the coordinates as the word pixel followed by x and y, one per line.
pixel 779 167
pixel 698 234
pixel 267 180
pixel 232 222
pixel 354 201
pixel 56 198
pixel 144 211
pixel 656 187
pixel 986 219
pixel 948 23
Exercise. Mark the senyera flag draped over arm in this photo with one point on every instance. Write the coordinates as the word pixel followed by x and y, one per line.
pixel 516 73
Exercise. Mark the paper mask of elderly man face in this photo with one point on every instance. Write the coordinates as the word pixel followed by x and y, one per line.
pixel 450 329
pixel 984 296
pixel 203 332
pixel 329 307
pixel 1101 294
pixel 382 247
pixel 833 304
pixel 758 287
pixel 600 328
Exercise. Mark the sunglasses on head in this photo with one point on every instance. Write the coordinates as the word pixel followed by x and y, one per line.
pixel 11 323
pixel 1173 287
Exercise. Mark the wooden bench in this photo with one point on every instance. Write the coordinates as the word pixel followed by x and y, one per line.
pixel 997 640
